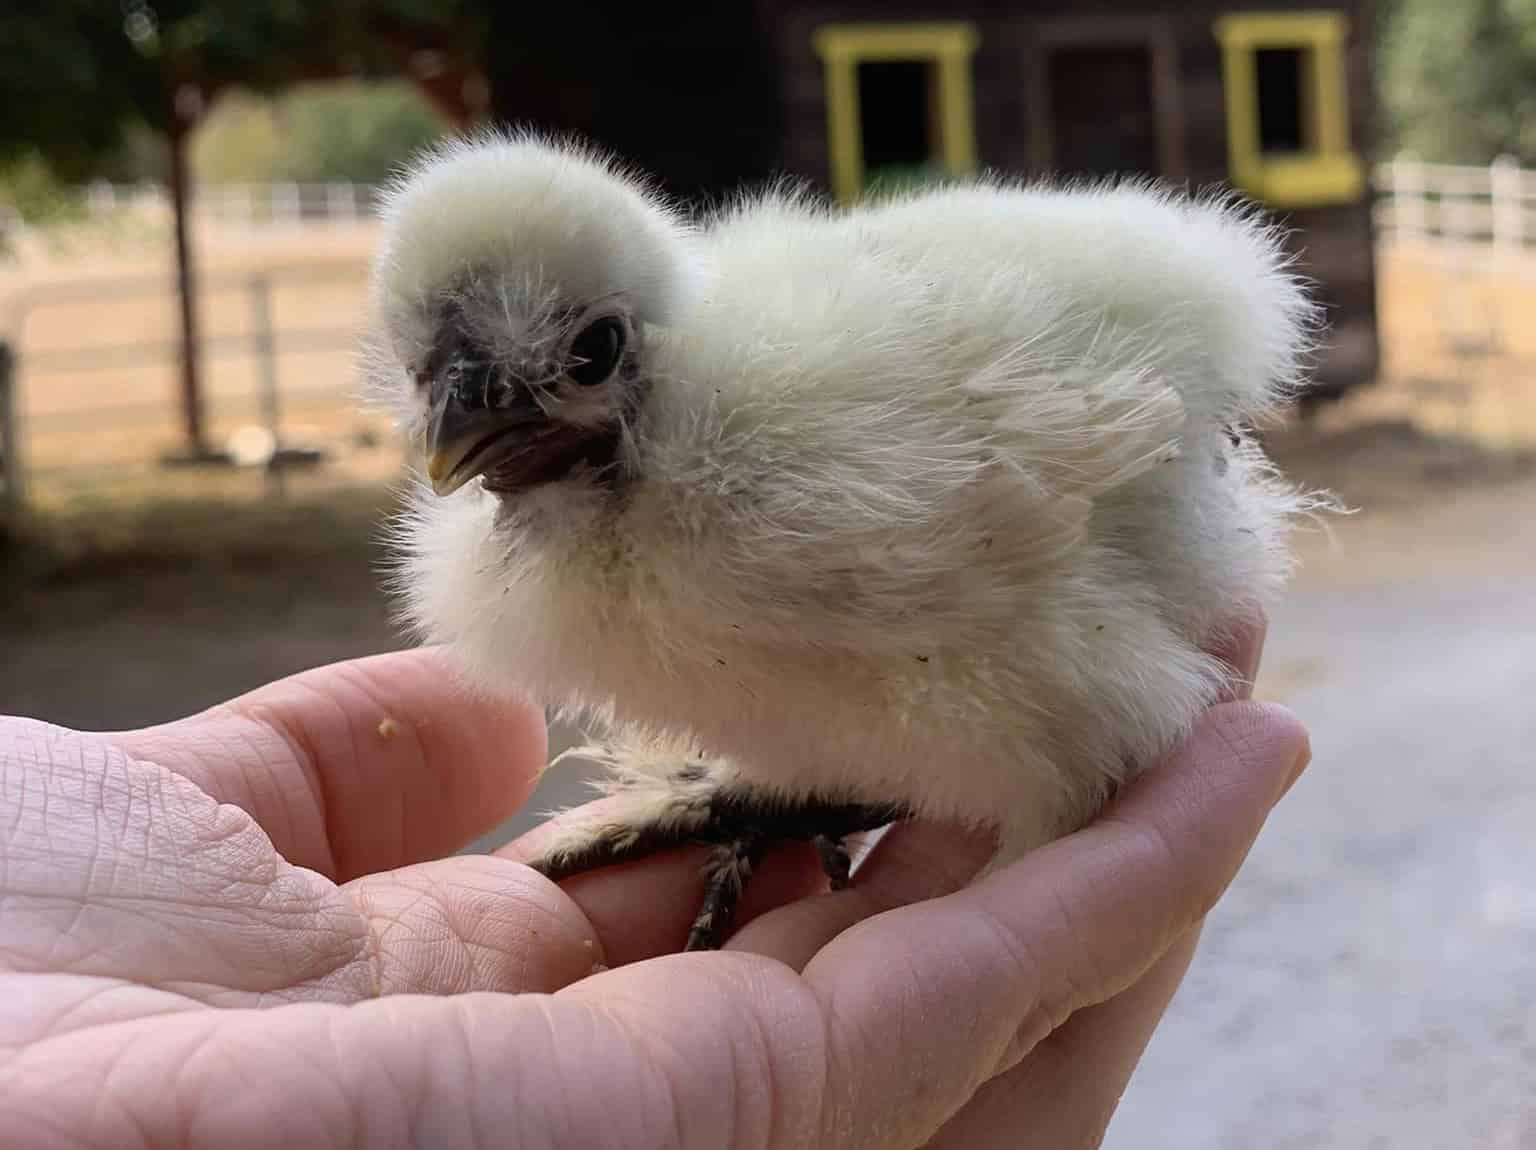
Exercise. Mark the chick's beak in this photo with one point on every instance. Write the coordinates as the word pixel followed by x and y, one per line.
pixel 467 433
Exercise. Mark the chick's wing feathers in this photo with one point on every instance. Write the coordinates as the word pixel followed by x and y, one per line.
pixel 1076 337
pixel 1203 280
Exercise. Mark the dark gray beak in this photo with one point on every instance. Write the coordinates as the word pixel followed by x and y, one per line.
pixel 473 426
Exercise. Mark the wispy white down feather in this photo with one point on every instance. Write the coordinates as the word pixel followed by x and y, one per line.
pixel 933 500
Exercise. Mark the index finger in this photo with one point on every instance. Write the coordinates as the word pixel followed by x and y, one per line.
pixel 360 766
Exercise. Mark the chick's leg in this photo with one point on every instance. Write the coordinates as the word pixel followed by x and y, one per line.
pixel 731 864
pixel 658 812
pixel 694 805
pixel 729 870
pixel 836 862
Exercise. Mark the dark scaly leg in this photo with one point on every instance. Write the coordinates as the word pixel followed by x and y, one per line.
pixel 835 860
pixel 739 822
pixel 730 869
pixel 759 823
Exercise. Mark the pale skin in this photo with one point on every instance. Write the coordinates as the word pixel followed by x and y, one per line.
pixel 241 929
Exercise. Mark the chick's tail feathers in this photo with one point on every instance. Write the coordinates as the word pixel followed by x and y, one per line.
pixel 1250 323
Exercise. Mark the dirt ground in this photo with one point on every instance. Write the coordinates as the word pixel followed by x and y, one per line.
pixel 118 615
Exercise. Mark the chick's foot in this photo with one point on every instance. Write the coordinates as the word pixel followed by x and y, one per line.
pixel 739 822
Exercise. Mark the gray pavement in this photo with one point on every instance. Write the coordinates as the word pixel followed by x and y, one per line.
pixel 1369 982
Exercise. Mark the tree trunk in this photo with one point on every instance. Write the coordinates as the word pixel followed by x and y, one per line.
pixel 191 393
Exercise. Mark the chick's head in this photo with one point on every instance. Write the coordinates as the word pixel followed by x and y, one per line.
pixel 511 295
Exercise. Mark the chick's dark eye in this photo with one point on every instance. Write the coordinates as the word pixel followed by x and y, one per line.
pixel 595 351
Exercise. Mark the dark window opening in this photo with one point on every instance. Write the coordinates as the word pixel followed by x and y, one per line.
pixel 1103 115
pixel 1281 76
pixel 896 119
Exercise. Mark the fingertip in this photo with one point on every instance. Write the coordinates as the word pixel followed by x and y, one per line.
pixel 424 693
pixel 1262 736
pixel 1300 762
pixel 1199 809
pixel 1256 748
pixel 411 762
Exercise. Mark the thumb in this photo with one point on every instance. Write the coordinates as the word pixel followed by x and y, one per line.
pixel 955 991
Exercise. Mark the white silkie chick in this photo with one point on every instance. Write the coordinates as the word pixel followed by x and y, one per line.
pixel 926 508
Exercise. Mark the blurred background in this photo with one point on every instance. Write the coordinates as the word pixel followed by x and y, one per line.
pixel 191 491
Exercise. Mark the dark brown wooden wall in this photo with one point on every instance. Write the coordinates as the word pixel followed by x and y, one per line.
pixel 709 97
pixel 1334 243
pixel 686 90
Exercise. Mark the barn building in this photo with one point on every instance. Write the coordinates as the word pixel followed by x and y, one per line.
pixel 856 96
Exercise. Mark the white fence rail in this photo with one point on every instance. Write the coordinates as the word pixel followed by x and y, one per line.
pixel 246 204
pixel 1416 202
pixel 95 375
pixel 1442 203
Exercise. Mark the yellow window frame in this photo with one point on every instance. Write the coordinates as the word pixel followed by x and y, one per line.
pixel 1328 172
pixel 843 47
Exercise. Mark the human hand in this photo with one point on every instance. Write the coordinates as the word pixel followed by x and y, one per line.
pixel 239 930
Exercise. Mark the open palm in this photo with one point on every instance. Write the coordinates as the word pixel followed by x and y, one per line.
pixel 247 929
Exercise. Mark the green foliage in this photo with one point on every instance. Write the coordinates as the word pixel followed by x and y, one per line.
pixel 31 193
pixel 1458 80
pixel 241 140
pixel 29 187
pixel 354 131
pixel 348 130
pixel 80 73
pixel 138 157
pixel 71 80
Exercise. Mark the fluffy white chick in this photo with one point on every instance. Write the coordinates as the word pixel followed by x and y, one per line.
pixel 929 507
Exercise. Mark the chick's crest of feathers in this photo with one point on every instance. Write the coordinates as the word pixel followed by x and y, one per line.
pixel 537 215
pixel 934 500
